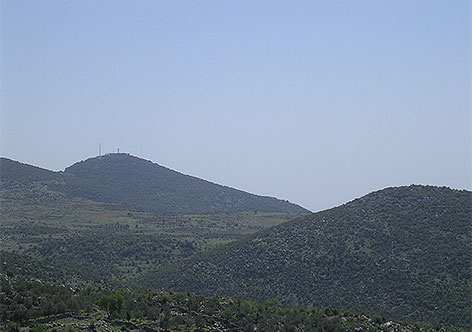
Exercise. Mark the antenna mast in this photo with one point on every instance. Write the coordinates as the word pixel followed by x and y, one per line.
pixel 99 149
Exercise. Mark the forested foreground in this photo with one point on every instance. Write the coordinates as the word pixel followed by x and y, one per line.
pixel 27 305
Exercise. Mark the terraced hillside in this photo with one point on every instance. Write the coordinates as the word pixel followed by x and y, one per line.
pixel 116 244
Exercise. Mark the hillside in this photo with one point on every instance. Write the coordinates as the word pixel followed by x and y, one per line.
pixel 14 173
pixel 399 252
pixel 141 184
pixel 28 305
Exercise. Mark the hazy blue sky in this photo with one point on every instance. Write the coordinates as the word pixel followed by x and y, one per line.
pixel 317 102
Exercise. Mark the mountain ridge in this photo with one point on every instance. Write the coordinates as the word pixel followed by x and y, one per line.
pixel 142 184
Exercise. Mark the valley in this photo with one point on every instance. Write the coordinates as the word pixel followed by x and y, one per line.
pixel 117 244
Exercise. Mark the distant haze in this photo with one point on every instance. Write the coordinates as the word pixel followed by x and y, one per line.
pixel 312 101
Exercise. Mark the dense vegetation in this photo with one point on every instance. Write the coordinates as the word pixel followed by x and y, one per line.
pixel 141 184
pixel 113 255
pixel 15 265
pixel 13 173
pixel 41 306
pixel 399 252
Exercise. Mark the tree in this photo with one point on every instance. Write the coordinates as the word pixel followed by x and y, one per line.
pixel 112 303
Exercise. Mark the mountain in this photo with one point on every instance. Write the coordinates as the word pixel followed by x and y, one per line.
pixel 141 184
pixel 14 173
pixel 399 252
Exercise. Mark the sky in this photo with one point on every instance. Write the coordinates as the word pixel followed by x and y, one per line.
pixel 316 102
